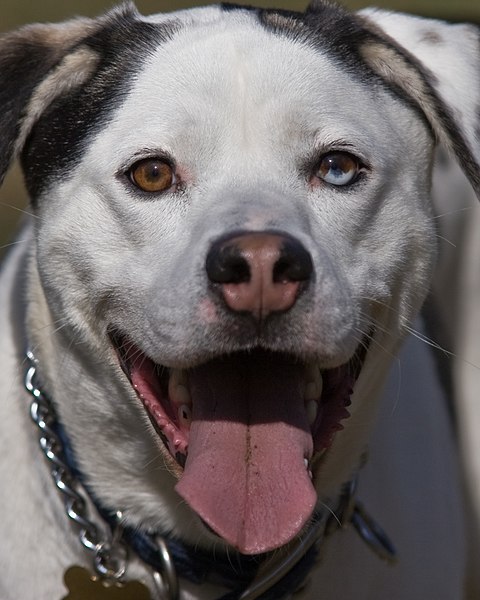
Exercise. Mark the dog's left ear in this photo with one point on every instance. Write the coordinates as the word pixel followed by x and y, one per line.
pixel 435 65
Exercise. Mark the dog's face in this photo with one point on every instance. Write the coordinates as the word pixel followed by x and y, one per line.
pixel 234 228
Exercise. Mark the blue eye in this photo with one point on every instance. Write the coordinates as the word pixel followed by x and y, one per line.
pixel 338 168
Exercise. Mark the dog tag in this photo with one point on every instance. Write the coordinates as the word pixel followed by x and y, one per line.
pixel 82 585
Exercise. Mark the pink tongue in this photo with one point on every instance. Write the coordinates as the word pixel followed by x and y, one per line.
pixel 245 473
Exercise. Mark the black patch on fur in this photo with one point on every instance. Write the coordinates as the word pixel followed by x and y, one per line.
pixel 327 26
pixel 123 43
pixel 61 135
pixel 18 78
pixel 333 30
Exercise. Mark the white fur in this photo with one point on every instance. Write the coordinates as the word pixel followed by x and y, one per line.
pixel 275 102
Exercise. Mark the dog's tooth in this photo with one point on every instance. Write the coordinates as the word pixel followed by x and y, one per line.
pixel 314 385
pixel 312 411
pixel 313 390
pixel 180 396
pixel 306 462
pixel 185 415
pixel 177 387
pixel 177 377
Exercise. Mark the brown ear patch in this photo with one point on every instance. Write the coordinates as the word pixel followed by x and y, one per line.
pixel 396 70
pixel 73 71
pixel 281 21
pixel 433 65
pixel 26 57
pixel 418 84
pixel 57 38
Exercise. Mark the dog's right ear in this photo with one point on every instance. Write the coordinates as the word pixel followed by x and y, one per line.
pixel 38 63
pixel 436 66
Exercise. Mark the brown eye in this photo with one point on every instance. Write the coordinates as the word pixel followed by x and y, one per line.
pixel 152 175
pixel 338 168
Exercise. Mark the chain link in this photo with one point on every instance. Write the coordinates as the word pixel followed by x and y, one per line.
pixel 109 560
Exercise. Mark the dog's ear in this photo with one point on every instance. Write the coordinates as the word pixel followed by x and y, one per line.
pixel 436 66
pixel 37 63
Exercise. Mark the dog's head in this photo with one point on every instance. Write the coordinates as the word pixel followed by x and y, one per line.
pixel 233 230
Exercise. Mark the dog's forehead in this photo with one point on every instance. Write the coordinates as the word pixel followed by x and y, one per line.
pixel 224 55
pixel 225 78
pixel 205 81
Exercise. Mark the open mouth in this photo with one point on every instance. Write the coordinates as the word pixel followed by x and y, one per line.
pixel 244 430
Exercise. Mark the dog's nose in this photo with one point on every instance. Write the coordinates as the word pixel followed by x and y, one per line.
pixel 259 273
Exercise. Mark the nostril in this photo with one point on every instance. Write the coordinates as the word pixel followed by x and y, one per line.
pixel 258 272
pixel 227 265
pixel 294 263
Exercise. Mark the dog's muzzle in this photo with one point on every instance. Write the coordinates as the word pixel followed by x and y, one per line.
pixel 246 427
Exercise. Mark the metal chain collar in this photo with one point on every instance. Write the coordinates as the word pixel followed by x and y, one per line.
pixel 110 553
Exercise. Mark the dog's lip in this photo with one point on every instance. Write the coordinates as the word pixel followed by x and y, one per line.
pixel 233 428
pixel 331 406
pixel 151 382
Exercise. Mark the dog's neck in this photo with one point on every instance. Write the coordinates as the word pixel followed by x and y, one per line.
pixel 268 577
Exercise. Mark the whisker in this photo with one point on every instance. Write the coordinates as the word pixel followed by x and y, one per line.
pixel 424 338
pixel 444 239
pixel 453 212
pixel 332 512
pixel 20 210
pixel 15 243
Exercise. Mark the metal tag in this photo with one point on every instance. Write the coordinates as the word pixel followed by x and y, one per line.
pixel 82 585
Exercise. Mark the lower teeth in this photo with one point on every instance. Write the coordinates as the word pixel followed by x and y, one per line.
pixel 185 415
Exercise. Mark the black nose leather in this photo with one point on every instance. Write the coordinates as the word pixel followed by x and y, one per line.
pixel 259 272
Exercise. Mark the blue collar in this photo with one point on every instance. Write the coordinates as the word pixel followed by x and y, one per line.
pixel 234 571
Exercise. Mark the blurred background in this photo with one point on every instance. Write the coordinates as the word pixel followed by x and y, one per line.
pixel 18 12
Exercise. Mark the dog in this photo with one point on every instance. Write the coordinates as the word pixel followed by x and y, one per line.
pixel 232 232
